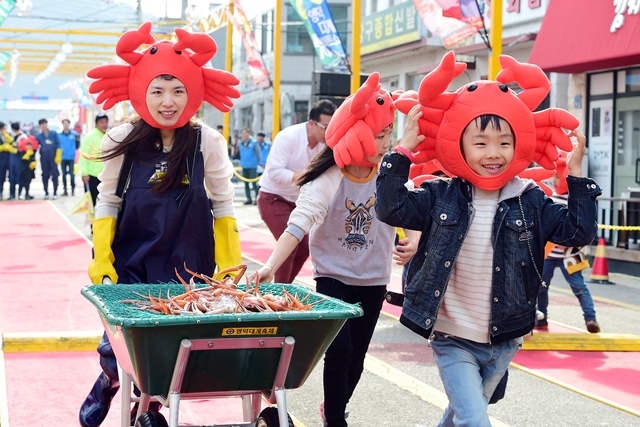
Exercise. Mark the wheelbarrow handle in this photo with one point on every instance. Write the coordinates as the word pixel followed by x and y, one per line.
pixel 106 280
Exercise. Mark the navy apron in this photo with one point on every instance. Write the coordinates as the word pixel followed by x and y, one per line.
pixel 159 233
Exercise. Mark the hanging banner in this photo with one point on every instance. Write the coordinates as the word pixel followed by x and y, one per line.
pixel 451 31
pixel 463 10
pixel 6 6
pixel 318 21
pixel 257 67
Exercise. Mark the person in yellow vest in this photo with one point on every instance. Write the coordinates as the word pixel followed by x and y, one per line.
pixel 89 150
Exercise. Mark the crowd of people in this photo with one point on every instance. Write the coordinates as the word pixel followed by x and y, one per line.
pixel 21 147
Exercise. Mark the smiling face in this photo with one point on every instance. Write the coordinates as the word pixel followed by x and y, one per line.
pixel 488 145
pixel 166 100
pixel 383 141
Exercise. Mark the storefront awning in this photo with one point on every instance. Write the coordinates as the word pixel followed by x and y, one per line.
pixel 576 36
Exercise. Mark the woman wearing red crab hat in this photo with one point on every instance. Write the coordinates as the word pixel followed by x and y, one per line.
pixel 351 250
pixel 472 285
pixel 165 193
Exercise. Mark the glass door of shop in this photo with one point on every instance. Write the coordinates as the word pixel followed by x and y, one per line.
pixel 627 140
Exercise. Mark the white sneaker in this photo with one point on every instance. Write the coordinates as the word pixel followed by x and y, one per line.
pixel 539 315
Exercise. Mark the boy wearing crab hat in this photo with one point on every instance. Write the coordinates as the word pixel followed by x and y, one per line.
pixel 351 250
pixel 471 286
pixel 166 177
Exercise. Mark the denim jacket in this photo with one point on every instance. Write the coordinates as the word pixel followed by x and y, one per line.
pixel 525 220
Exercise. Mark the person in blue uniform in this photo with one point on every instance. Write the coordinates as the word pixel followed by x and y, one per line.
pixel 164 193
pixel 50 157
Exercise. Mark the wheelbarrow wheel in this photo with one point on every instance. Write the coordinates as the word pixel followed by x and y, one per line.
pixel 269 418
pixel 151 419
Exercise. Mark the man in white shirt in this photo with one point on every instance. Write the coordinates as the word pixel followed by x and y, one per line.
pixel 291 152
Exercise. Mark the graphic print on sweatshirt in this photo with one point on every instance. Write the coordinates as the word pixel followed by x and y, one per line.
pixel 357 223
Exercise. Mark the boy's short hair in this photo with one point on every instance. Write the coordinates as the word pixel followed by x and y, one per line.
pixel 261 134
pixel 2 125
pixel 15 126
pixel 41 121
pixel 66 120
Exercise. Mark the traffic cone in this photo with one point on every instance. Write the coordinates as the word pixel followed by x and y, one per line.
pixel 600 270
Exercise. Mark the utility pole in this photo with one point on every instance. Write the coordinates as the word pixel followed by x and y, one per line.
pixel 139 11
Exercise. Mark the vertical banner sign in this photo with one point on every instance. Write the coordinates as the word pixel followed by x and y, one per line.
pixel 462 10
pixel 451 31
pixel 6 6
pixel 257 67
pixel 318 21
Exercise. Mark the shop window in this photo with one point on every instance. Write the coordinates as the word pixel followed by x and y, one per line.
pixel 267 32
pixel 628 137
pixel 414 81
pixel 632 80
pixel 301 111
pixel 298 40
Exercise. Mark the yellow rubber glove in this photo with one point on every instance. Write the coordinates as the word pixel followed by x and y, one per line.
pixel 58 158
pixel 227 243
pixel 13 150
pixel 27 155
pixel 32 165
pixel 104 231
pixel 4 148
pixel 7 136
pixel 76 169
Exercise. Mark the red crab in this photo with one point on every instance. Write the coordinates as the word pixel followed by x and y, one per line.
pixel 183 59
pixel 538 135
pixel 354 126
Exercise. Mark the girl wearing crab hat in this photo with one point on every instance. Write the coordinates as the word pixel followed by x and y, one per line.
pixel 165 193
pixel 472 285
pixel 350 249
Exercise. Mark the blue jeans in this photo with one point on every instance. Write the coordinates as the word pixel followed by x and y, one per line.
pixel 575 280
pixel 470 372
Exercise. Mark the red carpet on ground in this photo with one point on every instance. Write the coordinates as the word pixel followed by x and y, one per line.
pixel 43 268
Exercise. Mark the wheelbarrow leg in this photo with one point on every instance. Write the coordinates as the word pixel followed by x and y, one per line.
pixel 143 405
pixel 251 407
pixel 125 392
pixel 174 406
pixel 281 400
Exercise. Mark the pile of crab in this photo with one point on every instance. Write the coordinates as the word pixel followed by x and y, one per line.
pixel 220 296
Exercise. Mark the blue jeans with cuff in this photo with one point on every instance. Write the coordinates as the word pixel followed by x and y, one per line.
pixel 470 373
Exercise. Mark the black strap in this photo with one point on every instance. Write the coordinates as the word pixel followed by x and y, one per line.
pixel 123 178
pixel 127 167
pixel 191 163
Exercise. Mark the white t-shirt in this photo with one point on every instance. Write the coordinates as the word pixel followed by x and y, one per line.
pixel 289 153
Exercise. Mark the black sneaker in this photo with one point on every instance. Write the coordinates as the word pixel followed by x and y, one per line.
pixel 542 323
pixel 65 193
pixel 592 326
pixel 248 202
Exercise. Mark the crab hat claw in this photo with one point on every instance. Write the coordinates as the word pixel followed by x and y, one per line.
pixel 184 60
pixel 356 123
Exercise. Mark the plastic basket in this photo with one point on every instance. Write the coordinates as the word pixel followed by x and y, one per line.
pixel 146 344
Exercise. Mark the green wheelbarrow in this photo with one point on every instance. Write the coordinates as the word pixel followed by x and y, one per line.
pixel 249 355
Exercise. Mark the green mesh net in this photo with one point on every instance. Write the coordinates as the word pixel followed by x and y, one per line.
pixel 108 299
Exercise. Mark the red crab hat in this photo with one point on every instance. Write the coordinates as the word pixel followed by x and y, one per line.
pixel 360 118
pixel 183 59
pixel 538 135
pixel 31 139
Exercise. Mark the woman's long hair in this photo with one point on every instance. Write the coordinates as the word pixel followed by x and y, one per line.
pixel 319 165
pixel 145 141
